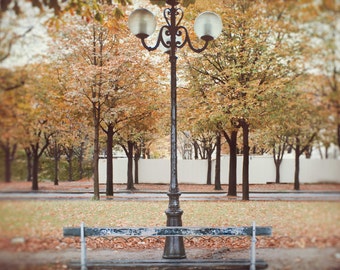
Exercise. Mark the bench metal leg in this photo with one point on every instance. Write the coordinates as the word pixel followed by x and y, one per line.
pixel 253 249
pixel 83 247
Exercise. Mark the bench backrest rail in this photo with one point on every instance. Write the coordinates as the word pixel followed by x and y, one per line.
pixel 168 231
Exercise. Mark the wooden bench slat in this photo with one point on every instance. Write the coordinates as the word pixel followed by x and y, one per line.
pixel 168 231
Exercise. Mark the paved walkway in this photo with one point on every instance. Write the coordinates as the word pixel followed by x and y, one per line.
pixel 186 196
pixel 277 259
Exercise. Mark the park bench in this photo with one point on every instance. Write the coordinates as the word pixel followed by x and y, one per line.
pixel 144 232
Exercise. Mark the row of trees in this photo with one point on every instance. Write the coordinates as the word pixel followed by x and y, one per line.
pixel 87 92
pixel 257 80
pixel 258 74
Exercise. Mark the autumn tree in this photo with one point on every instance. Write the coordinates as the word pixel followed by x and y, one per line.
pixel 74 130
pixel 323 25
pixel 140 117
pixel 249 60
pixel 60 8
pixel 218 161
pixel 197 122
pixel 73 139
pixel 201 125
pixel 204 140
pixel 142 149
pixel 91 49
pixel 83 78
pixel 294 120
pixel 54 150
pixel 322 85
pixel 273 136
pixel 36 116
pixel 125 92
pixel 303 128
pixel 8 129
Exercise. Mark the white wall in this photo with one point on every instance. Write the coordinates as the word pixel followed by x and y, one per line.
pixel 261 170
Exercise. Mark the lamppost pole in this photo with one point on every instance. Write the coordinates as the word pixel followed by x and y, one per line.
pixel 174 246
pixel 207 26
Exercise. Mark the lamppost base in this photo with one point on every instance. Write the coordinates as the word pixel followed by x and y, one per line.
pixel 174 245
pixel 174 248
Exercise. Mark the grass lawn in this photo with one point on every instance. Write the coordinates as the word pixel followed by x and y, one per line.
pixel 295 224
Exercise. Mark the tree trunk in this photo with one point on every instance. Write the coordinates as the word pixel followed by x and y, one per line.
pixel 218 163
pixel 196 147
pixel 309 151
pixel 96 118
pixel 109 161
pixel 8 163
pixel 56 171
pixel 277 166
pixel 245 170
pixel 35 166
pixel 338 133
pixel 136 159
pixel 81 160
pixel 56 155
pixel 209 167
pixel 130 185
pixel 69 159
pixel 277 172
pixel 37 152
pixel 9 157
pixel 232 142
pixel 299 150
pixel 297 165
pixel 278 160
pixel 326 152
pixel 28 152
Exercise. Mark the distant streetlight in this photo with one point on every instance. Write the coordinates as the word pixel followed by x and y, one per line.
pixel 208 26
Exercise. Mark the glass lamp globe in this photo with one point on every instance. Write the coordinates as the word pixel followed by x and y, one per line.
pixel 208 26
pixel 142 23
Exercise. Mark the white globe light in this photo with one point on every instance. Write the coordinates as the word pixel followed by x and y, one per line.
pixel 142 23
pixel 208 26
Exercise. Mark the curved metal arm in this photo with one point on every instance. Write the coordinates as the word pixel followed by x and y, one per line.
pixel 176 11
pixel 172 27
pixel 187 40
pixel 159 40
pixel 179 44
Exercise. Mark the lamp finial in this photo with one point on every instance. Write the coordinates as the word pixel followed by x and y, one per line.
pixel 172 2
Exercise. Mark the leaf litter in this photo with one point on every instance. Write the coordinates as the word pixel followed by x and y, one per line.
pixel 38 224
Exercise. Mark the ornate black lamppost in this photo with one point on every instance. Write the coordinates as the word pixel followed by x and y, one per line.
pixel 208 26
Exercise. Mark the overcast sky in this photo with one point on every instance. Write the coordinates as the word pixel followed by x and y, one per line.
pixel 27 49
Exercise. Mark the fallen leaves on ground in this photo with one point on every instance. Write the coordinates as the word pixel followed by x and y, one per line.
pixel 32 244
pixel 37 225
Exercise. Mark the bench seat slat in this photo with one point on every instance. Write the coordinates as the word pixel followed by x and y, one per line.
pixel 168 231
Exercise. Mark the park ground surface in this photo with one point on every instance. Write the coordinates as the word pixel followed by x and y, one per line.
pixel 86 185
pixel 301 253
